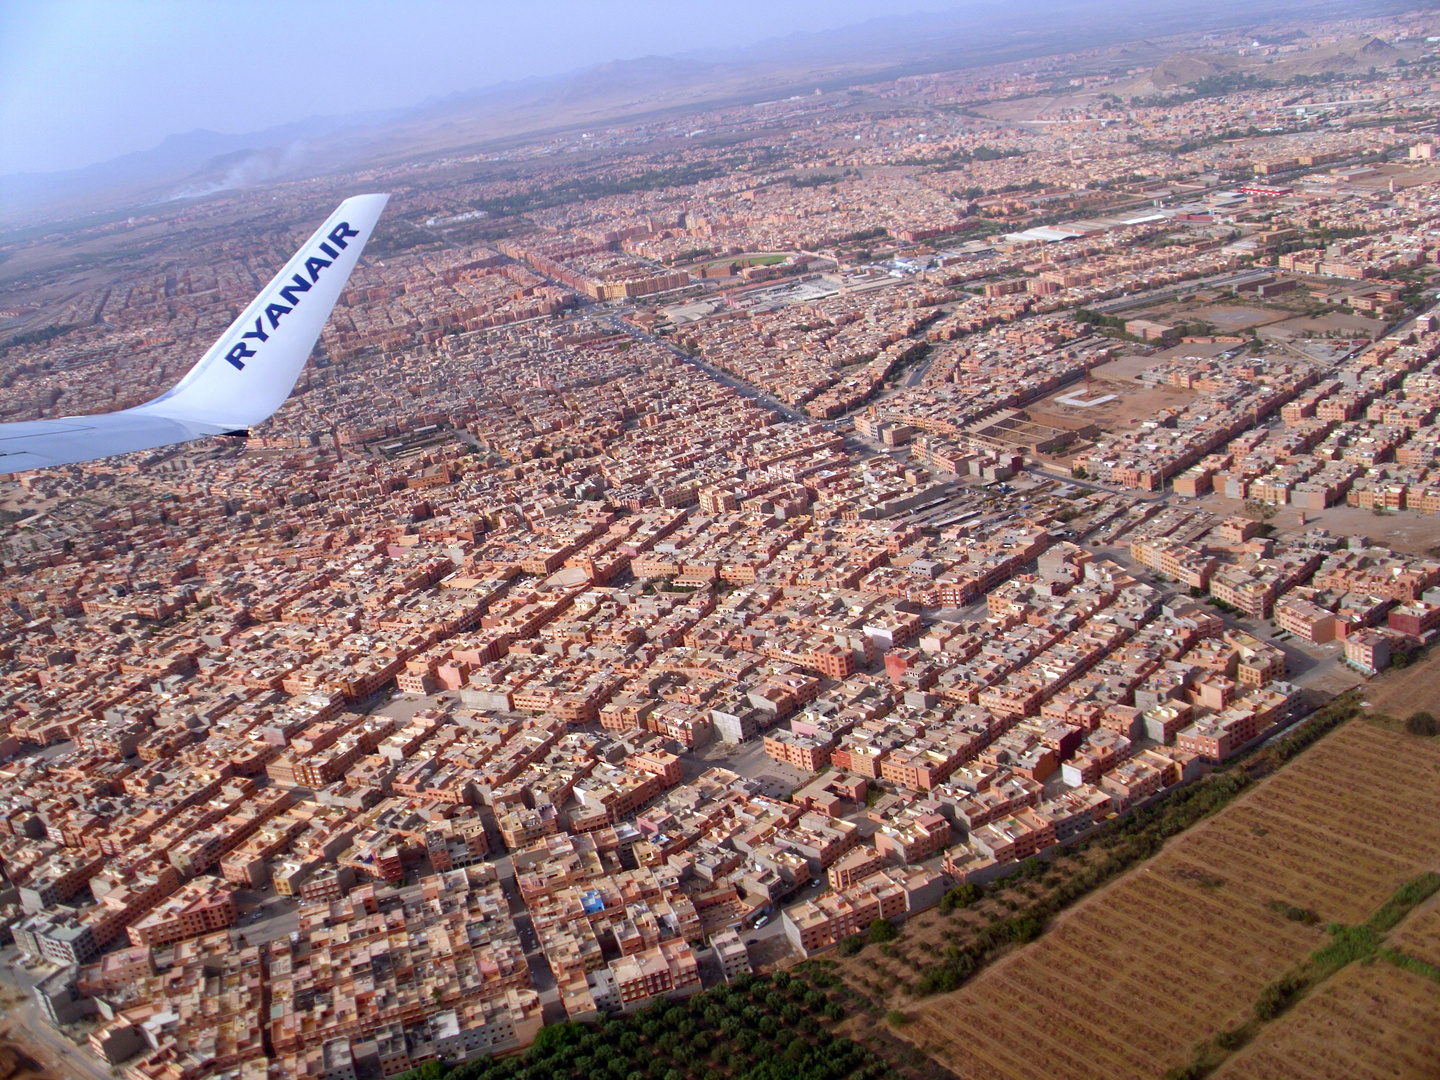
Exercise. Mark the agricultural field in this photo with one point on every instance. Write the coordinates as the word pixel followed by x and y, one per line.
pixel 1179 948
pixel 1370 1021
pixel 1419 936
pixel 887 974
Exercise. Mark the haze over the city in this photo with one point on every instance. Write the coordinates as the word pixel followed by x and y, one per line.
pixel 82 81
pixel 803 541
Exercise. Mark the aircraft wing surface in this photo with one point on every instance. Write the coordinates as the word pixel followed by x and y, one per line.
pixel 34 444
pixel 243 378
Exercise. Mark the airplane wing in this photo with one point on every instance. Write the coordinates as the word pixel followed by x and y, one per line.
pixel 35 444
pixel 243 378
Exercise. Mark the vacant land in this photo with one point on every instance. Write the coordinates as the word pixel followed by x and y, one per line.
pixel 1335 324
pixel 16 1064
pixel 888 975
pixel 1179 948
pixel 1225 318
pixel 1133 404
pixel 1405 530
pixel 1369 1021
pixel 1416 688
pixel 22 1056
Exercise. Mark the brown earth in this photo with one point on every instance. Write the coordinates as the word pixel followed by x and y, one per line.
pixel 1337 323
pixel 1405 530
pixel 17 1064
pixel 1416 688
pixel 1134 403
pixel 1367 1022
pixel 1129 980
pixel 18 1059
pixel 1227 316
pixel 884 974
pixel 1419 935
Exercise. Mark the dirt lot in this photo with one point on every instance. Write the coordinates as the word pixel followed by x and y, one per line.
pixel 1370 1021
pixel 1134 403
pixel 1227 318
pixel 17 1059
pixel 16 1064
pixel 1334 323
pixel 1126 983
pixel 1405 530
pixel 1417 688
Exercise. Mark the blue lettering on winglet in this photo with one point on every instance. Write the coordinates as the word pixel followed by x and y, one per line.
pixel 292 292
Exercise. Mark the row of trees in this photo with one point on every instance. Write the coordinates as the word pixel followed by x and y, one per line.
pixel 1120 846
pixel 38 337
pixel 583 188
pixel 758 1028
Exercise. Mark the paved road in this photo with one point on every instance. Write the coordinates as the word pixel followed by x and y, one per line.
pixel 773 928
pixel 50 1047
pixel 279 917
pixel 739 386
pixel 1149 296
pixel 919 371
pixel 541 977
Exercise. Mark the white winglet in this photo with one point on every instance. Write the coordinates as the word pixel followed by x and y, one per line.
pixel 244 377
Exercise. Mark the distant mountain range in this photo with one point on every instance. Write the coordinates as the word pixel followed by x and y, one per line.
pixel 201 162
pixel 1349 55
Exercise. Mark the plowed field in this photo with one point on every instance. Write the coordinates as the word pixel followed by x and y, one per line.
pixel 1419 935
pixel 1128 981
pixel 1368 1022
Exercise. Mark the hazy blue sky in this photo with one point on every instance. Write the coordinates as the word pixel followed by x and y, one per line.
pixel 85 80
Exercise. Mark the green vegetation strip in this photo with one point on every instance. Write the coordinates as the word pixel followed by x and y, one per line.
pixel 38 337
pixel 602 186
pixel 1411 963
pixel 1347 945
pixel 1122 845
pixel 757 1028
